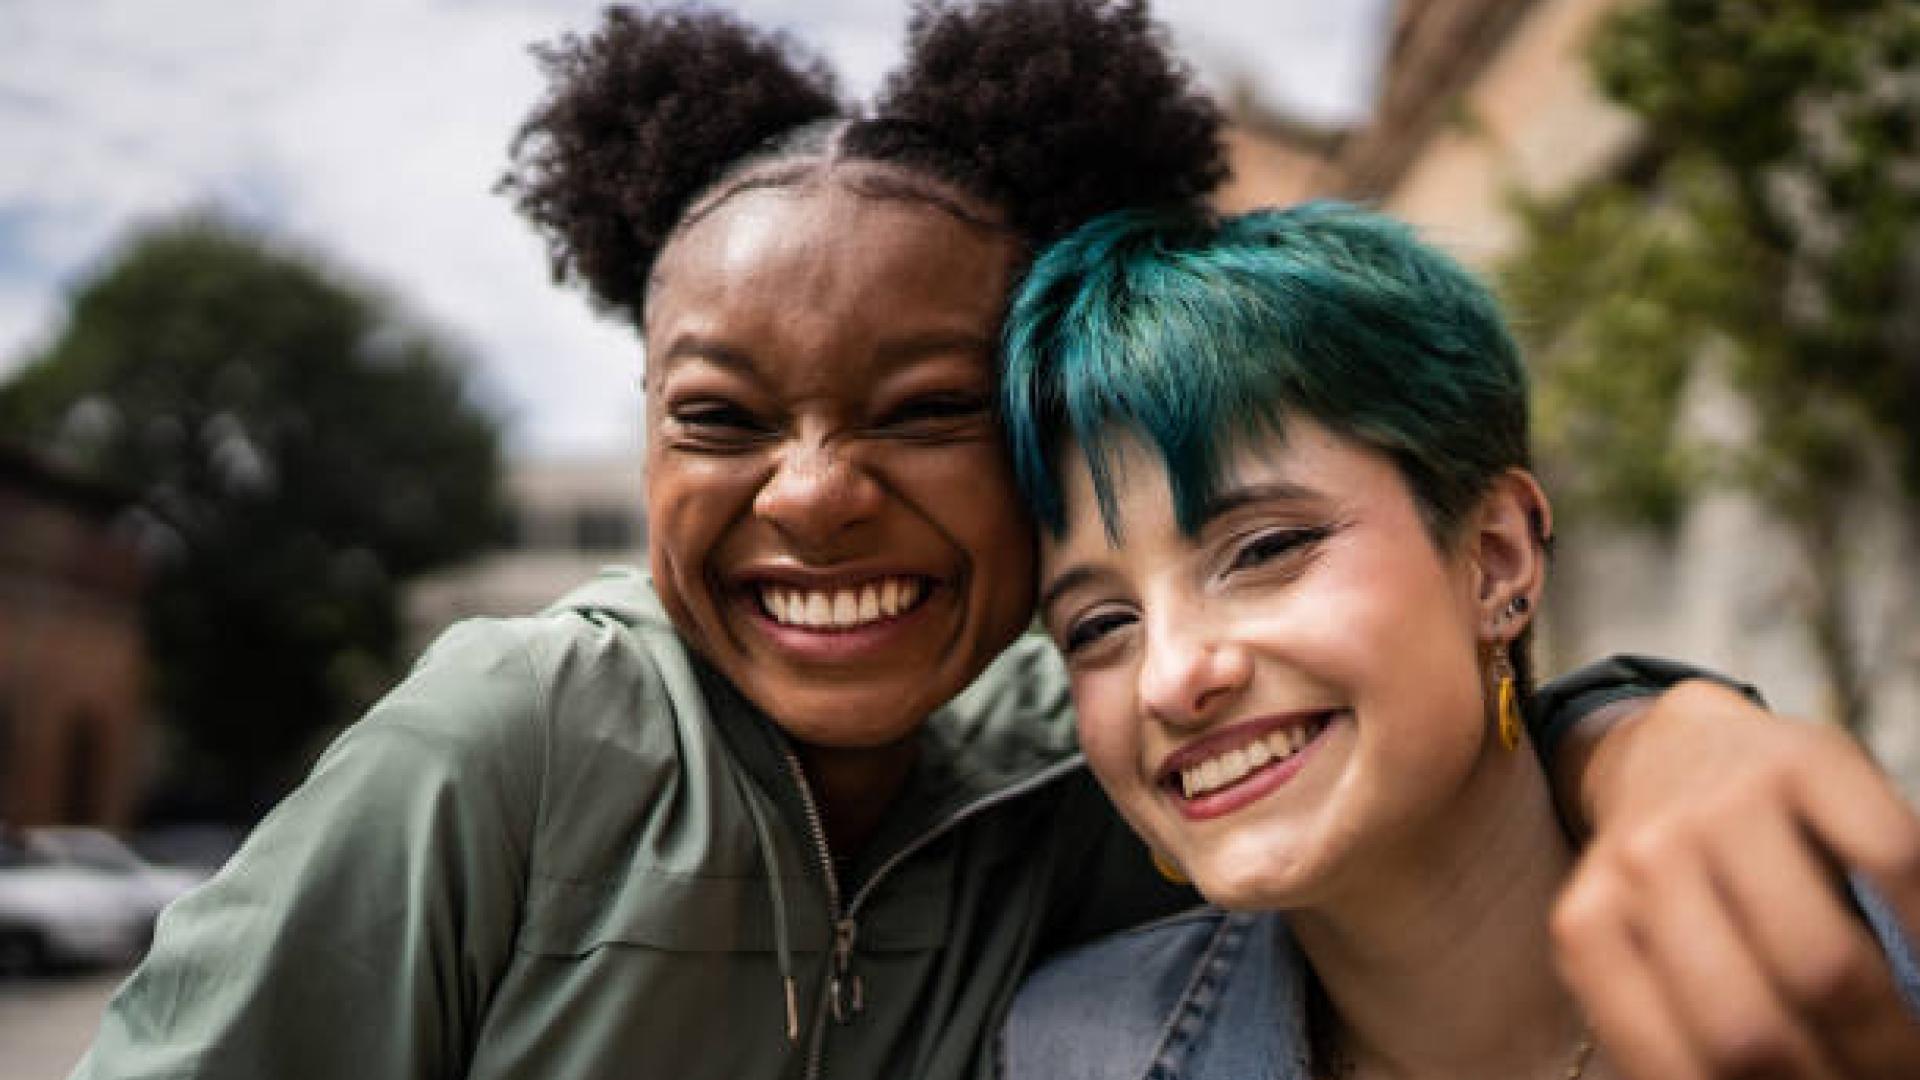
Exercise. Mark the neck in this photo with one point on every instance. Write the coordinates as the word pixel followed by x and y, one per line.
pixel 855 788
pixel 1467 893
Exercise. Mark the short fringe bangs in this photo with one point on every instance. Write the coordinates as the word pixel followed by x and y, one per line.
pixel 1189 332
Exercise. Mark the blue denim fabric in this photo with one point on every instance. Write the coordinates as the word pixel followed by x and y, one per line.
pixel 1212 995
pixel 1202 994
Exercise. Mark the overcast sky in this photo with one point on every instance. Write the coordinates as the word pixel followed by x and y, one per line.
pixel 373 130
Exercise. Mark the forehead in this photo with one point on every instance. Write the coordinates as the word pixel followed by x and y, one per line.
pixel 822 267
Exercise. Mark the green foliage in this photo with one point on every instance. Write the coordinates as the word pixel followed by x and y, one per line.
pixel 296 452
pixel 1773 228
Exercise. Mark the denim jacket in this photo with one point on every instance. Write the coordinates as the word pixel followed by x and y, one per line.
pixel 1210 995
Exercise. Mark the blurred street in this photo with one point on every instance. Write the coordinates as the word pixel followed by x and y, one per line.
pixel 45 1023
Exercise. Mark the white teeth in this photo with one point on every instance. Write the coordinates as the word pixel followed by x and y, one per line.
pixel 840 609
pixel 1234 765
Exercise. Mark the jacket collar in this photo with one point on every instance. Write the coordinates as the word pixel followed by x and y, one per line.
pixel 975 750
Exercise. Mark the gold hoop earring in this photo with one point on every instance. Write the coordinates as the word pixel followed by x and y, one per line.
pixel 1507 694
pixel 1168 869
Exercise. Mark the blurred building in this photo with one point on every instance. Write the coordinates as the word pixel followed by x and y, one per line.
pixel 568 519
pixel 1481 99
pixel 72 653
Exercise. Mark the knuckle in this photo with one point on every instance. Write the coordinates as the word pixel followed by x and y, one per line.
pixel 1575 917
pixel 1593 900
pixel 1652 849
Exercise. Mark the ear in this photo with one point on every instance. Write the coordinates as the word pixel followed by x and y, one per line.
pixel 1506 544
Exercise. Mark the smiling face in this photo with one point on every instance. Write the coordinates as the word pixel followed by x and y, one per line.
pixel 1294 692
pixel 835 526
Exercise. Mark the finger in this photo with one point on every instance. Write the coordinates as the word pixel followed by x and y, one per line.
pixel 1805 935
pixel 1734 1019
pixel 1613 981
pixel 1852 810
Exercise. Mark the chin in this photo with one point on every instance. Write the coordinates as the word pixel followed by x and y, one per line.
pixel 1262 872
pixel 1261 888
pixel 834 720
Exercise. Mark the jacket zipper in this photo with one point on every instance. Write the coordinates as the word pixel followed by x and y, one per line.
pixel 843 928
pixel 841 982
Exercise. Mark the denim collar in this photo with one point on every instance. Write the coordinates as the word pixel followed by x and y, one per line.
pixel 1243 1013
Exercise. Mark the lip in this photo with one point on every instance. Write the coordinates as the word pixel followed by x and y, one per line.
pixel 1221 740
pixel 1257 785
pixel 812 577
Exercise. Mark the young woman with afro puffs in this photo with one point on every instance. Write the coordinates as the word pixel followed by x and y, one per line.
pixel 803 799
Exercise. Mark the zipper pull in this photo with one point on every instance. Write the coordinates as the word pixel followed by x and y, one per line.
pixel 848 994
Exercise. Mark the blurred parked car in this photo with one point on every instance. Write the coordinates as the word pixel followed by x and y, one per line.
pixel 78 897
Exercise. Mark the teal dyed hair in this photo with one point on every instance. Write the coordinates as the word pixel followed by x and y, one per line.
pixel 1189 331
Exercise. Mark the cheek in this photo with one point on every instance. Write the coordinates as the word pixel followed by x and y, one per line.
pixel 1103 711
pixel 1398 641
pixel 689 506
pixel 971 493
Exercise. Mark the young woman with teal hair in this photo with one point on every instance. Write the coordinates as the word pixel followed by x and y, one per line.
pixel 1292 550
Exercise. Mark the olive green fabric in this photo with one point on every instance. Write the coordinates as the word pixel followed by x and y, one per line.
pixel 541 857
pixel 535 858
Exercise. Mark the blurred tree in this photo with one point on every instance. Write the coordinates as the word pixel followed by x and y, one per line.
pixel 1771 230
pixel 297 451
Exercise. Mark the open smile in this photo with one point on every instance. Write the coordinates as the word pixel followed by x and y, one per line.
pixel 845 607
pixel 844 619
pixel 1230 768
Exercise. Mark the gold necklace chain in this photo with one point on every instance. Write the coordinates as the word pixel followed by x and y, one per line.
pixel 1582 1053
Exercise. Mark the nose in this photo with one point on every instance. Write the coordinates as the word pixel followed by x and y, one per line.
pixel 1190 672
pixel 816 493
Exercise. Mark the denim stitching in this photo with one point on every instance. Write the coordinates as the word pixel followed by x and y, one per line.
pixel 1195 1009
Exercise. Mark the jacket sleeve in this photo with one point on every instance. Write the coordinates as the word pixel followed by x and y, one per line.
pixel 359 930
pixel 1564 702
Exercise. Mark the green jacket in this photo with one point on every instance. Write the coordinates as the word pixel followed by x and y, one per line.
pixel 564 849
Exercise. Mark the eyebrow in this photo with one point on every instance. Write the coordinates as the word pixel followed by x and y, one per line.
pixel 718 353
pixel 892 354
pixel 1065 582
pixel 1226 502
pixel 1221 504
pixel 897 351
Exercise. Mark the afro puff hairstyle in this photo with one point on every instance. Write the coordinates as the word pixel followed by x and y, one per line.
pixel 1051 111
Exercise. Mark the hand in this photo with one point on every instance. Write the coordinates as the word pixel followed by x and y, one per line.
pixel 1706 930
